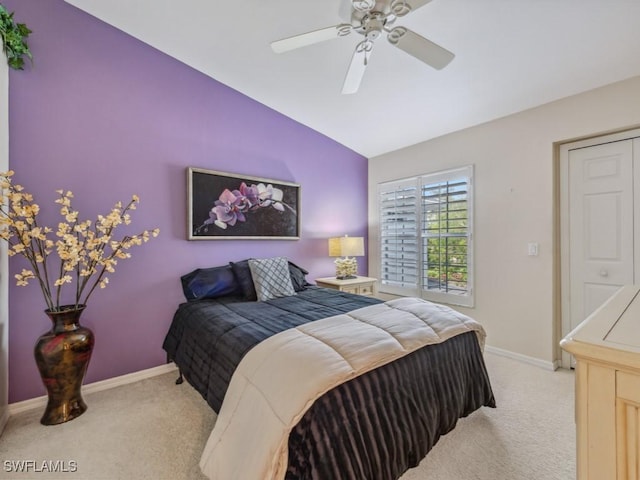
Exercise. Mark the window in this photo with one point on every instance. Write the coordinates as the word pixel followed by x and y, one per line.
pixel 426 236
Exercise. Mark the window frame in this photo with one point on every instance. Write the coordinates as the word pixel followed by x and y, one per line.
pixel 418 290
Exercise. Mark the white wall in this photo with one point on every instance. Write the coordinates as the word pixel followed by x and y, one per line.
pixel 515 203
pixel 4 269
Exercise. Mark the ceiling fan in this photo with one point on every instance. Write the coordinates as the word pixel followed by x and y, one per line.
pixel 370 18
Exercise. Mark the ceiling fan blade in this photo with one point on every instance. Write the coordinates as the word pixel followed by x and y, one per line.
pixel 430 53
pixel 401 7
pixel 358 65
pixel 309 38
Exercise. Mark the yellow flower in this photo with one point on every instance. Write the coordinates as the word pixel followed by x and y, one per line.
pixel 20 225
pixel 63 280
pixel 63 228
pixel 86 250
pixel 22 278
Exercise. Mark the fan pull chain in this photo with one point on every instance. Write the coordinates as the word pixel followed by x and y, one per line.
pixel 365 48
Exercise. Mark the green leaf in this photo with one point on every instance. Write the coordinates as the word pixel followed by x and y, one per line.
pixel 23 30
pixel 17 63
pixel 14 39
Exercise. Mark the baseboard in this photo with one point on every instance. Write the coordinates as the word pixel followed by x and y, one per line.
pixel 41 402
pixel 552 366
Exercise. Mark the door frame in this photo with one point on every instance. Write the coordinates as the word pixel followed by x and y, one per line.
pixel 565 284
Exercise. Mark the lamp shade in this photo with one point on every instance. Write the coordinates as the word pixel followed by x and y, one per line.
pixel 346 247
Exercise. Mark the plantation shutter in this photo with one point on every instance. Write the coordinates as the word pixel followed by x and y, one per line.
pixel 446 232
pixel 426 236
pixel 399 234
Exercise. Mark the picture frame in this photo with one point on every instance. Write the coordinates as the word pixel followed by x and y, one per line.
pixel 228 206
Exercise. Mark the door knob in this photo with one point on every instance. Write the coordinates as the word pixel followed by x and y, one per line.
pixel 604 273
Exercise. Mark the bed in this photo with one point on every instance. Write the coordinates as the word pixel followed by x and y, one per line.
pixel 376 425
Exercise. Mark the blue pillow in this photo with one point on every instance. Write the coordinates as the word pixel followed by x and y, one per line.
pixel 243 277
pixel 298 277
pixel 210 283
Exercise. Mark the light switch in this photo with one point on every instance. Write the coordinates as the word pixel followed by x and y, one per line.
pixel 533 249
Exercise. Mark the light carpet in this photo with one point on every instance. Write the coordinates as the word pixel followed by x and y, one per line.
pixel 153 429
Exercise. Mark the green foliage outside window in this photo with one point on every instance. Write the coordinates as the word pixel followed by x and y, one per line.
pixel 446 242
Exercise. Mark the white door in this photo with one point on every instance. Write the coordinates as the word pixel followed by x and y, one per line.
pixel 601 241
pixel 599 224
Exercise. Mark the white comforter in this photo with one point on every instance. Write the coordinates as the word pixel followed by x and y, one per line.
pixel 280 378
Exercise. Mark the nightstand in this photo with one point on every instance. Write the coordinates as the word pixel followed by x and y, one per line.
pixel 358 285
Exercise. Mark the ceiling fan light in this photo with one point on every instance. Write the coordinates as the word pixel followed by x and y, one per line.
pixel 363 5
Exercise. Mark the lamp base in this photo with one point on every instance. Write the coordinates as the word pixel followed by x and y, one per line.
pixel 346 268
pixel 346 277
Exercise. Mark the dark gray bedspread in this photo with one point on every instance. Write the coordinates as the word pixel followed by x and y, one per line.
pixel 208 338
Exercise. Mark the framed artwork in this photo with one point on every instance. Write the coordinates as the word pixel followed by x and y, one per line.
pixel 229 206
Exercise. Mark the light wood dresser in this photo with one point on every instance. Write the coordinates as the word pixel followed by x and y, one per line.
pixel 606 347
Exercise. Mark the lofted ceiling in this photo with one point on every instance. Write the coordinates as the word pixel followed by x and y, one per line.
pixel 511 55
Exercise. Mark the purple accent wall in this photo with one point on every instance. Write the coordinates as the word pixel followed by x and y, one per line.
pixel 106 116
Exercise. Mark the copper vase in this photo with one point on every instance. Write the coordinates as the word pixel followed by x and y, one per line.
pixel 62 355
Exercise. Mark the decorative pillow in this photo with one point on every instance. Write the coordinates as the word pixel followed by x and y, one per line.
pixel 271 278
pixel 298 277
pixel 242 273
pixel 209 283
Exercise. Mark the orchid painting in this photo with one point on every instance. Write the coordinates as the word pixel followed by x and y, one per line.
pixel 241 207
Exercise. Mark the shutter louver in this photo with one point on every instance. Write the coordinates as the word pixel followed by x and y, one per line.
pixel 399 234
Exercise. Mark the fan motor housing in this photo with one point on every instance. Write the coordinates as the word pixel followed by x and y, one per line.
pixel 373 24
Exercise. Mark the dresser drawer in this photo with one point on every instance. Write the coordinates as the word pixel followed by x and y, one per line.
pixel 365 289
pixel 357 286
pixel 350 289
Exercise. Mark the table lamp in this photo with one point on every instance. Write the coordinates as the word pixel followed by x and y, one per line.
pixel 345 247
